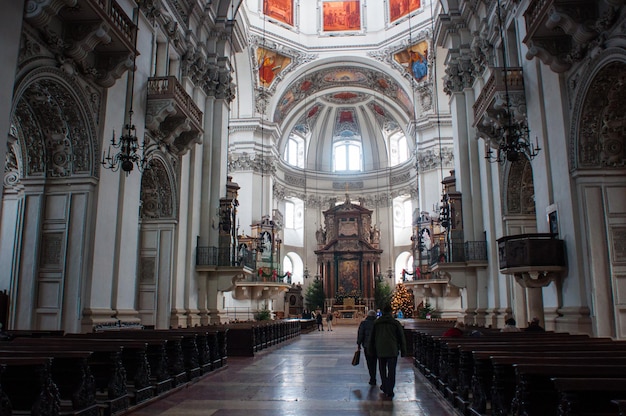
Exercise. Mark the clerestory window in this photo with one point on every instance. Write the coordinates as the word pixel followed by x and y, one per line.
pixel 347 156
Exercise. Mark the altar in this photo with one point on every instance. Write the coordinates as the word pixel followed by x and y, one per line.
pixel 349 309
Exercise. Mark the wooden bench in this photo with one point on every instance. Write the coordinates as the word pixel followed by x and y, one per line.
pixel 590 396
pixel 536 392
pixel 105 363
pixel 27 387
pixel 457 368
pixel 72 376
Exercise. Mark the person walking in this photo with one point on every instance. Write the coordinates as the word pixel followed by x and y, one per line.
pixel 387 340
pixel 329 321
pixel 362 340
pixel 319 321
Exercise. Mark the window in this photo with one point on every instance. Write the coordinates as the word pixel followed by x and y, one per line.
pixel 399 148
pixel 403 212
pixel 294 151
pixel 347 156
pixel 294 213
pixel 290 214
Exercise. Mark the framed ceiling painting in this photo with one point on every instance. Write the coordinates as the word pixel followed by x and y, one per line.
pixel 401 8
pixel 270 64
pixel 341 15
pixel 281 10
pixel 414 60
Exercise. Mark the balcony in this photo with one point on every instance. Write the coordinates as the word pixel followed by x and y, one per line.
pixel 557 29
pixel 172 116
pixel 469 252
pixel 100 36
pixel 534 259
pixel 491 105
pixel 458 260
pixel 240 276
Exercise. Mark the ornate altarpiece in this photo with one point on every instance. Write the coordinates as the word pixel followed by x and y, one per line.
pixel 348 254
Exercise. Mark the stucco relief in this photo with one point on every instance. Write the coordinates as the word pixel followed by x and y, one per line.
pixel 481 53
pixel 520 190
pixel 429 159
pixel 53 133
pixel 246 162
pixel 156 192
pixel 459 76
pixel 602 127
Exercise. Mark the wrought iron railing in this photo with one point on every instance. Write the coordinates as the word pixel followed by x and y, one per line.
pixel 469 251
pixel 213 256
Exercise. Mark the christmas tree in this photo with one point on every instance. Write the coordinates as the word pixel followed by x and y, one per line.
pixel 314 296
pixel 402 300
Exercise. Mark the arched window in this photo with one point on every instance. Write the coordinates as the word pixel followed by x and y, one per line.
pixel 402 212
pixel 404 261
pixel 399 148
pixel 294 151
pixel 292 263
pixel 347 156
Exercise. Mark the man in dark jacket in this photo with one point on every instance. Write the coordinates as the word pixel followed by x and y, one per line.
pixel 387 340
pixel 362 340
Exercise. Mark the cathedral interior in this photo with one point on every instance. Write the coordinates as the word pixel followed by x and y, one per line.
pixel 174 163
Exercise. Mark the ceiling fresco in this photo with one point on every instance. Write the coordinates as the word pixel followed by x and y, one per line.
pixel 350 80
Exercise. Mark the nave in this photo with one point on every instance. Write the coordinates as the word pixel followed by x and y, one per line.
pixel 309 376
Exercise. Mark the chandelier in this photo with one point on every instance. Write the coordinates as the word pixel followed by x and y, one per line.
pixel 512 135
pixel 513 141
pixel 128 150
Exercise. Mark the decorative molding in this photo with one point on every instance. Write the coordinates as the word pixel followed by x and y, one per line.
pixel 255 163
pixel 430 159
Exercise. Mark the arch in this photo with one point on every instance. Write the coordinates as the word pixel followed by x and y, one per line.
pixel 53 124
pixel 158 191
pixel 599 141
pixel 598 148
pixel 519 191
pixel 404 261
pixel 55 127
pixel 294 261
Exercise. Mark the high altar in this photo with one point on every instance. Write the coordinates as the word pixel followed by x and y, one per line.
pixel 348 255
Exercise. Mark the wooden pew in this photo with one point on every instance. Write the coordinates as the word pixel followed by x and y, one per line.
pixel 27 387
pixel 449 362
pixel 590 396
pixel 105 364
pixel 174 362
pixel 529 389
pixel 549 397
pixel 71 373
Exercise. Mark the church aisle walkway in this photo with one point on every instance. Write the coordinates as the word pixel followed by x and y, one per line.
pixel 311 375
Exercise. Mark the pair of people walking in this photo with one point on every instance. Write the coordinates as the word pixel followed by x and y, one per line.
pixel 319 320
pixel 382 339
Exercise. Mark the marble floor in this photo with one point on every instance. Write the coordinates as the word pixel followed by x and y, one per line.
pixel 311 375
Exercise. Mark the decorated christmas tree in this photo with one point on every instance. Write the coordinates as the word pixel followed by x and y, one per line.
pixel 402 300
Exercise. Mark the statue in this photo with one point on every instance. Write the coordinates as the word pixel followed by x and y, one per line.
pixel 320 235
pixel 375 235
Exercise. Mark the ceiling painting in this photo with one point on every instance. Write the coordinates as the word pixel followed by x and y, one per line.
pixel 346 125
pixel 270 64
pixel 346 97
pixel 281 10
pixel 401 8
pixel 348 80
pixel 341 15
pixel 414 60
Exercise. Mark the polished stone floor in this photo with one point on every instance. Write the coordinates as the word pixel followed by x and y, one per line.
pixel 311 375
